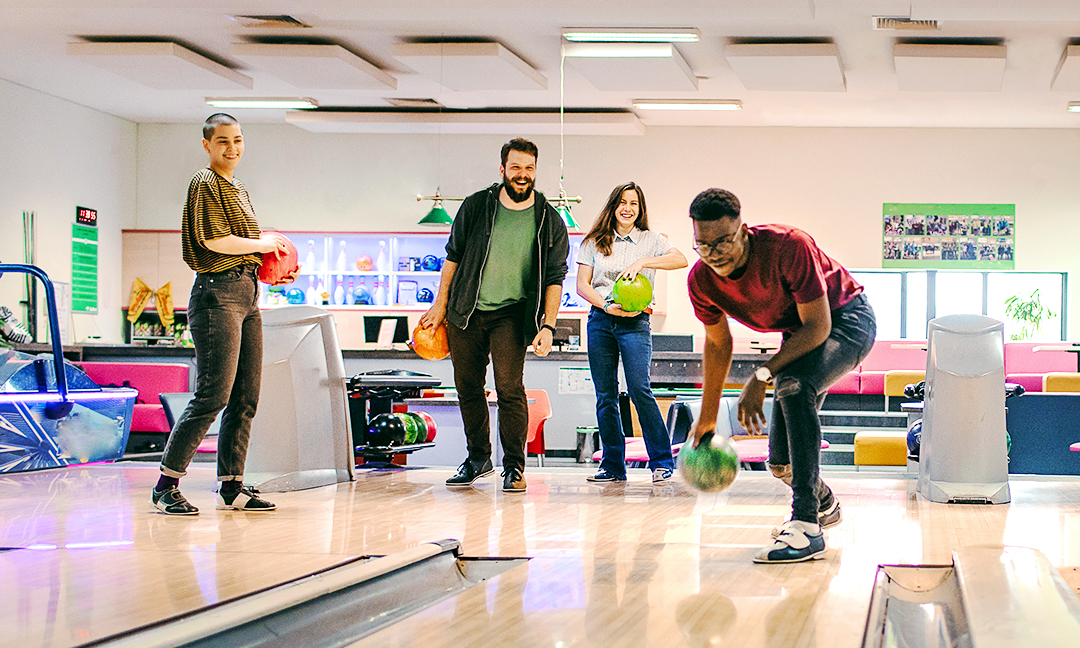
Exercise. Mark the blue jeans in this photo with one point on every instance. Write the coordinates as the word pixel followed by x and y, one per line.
pixel 610 337
pixel 800 390
pixel 226 326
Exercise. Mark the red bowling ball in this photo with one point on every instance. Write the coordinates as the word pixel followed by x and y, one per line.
pixel 274 269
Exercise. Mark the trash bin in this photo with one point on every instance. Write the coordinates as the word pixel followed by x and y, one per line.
pixel 963 456
pixel 587 443
pixel 300 435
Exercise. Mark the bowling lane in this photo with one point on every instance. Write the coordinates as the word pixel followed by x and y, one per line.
pixel 612 564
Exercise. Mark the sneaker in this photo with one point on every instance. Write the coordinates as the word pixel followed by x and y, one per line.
pixel 11 329
pixel 171 502
pixel 795 543
pixel 831 516
pixel 467 473
pixel 605 476
pixel 513 480
pixel 661 475
pixel 827 518
pixel 245 499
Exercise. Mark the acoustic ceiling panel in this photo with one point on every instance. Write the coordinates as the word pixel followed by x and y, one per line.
pixel 631 66
pixel 466 67
pixel 949 68
pixel 461 122
pixel 314 66
pixel 162 66
pixel 1067 75
pixel 805 67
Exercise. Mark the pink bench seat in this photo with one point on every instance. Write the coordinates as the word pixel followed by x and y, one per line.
pixel 150 379
pixel 885 356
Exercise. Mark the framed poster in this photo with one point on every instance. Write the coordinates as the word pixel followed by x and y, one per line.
pixel 946 236
pixel 84 268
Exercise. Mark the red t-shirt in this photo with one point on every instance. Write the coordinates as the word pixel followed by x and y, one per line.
pixel 785 268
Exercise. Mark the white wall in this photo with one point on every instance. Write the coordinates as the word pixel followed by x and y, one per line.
pixel 831 182
pixel 56 155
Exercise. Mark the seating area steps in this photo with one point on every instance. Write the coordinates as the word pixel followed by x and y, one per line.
pixel 839 428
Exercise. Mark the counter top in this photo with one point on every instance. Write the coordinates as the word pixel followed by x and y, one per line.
pixel 79 352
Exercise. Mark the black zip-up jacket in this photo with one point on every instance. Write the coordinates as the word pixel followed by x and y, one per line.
pixel 470 238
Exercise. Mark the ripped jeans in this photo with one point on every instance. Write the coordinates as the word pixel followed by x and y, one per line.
pixel 800 389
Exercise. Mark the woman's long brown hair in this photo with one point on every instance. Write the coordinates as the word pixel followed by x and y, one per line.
pixel 603 230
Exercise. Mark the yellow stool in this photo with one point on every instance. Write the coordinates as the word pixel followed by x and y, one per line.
pixel 1061 381
pixel 881 448
pixel 897 379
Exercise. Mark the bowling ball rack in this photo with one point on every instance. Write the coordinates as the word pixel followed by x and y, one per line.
pixel 374 392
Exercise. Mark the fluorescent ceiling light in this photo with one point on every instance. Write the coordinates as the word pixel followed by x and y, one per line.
pixel 288 103
pixel 1074 106
pixel 630 35
pixel 687 104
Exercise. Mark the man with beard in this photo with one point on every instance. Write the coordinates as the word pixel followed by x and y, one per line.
pixel 500 290
pixel 776 278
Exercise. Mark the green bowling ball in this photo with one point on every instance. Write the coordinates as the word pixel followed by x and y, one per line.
pixel 711 466
pixel 413 426
pixel 632 295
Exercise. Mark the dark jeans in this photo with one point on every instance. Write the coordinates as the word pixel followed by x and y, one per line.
pixel 497 334
pixel 610 337
pixel 800 390
pixel 226 326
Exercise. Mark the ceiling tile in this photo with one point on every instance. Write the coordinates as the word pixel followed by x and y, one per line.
pixel 631 66
pixel 804 67
pixel 949 68
pixel 162 66
pixel 465 67
pixel 313 66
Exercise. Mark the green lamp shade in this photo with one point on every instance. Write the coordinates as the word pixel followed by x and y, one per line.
pixel 567 217
pixel 437 216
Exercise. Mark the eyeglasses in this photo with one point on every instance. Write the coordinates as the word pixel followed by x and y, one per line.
pixel 718 246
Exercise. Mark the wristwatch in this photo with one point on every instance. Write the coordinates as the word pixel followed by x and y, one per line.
pixel 763 374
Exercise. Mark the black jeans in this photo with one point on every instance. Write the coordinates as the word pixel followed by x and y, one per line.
pixel 226 326
pixel 497 334
pixel 800 390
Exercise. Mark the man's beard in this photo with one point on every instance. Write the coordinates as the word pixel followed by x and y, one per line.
pixel 515 194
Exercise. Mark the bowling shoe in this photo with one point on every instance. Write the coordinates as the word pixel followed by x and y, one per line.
pixel 468 473
pixel 171 502
pixel 513 480
pixel 831 515
pixel 798 542
pixel 604 476
pixel 245 499
pixel 661 475
pixel 827 517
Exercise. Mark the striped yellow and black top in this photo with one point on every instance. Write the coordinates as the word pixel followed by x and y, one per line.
pixel 214 209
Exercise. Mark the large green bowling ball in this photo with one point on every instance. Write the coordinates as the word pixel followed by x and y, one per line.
pixel 711 466
pixel 385 430
pixel 415 430
pixel 632 295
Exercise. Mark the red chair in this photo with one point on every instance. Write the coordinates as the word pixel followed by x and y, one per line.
pixel 539 411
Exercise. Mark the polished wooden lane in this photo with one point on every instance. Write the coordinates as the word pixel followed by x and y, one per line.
pixel 618 564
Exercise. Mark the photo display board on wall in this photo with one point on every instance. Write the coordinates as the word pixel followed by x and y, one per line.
pixel 946 236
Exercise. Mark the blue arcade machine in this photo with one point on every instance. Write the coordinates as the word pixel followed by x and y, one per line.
pixel 51 414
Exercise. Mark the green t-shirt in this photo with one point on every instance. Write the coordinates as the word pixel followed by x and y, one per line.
pixel 508 270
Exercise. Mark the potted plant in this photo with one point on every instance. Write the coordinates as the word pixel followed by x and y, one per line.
pixel 1029 313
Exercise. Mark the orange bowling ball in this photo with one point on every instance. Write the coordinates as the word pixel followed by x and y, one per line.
pixel 363 263
pixel 430 343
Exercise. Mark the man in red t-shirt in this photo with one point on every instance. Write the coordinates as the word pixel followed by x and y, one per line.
pixel 775 278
